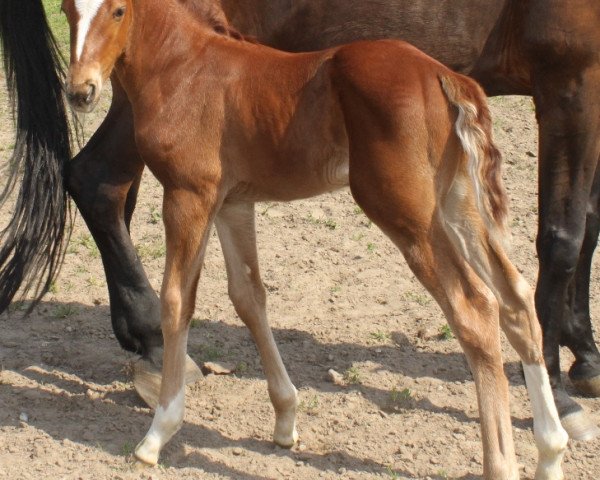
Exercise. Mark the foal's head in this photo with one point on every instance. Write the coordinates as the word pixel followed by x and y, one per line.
pixel 99 32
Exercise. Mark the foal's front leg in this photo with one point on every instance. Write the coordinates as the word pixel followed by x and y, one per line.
pixel 187 217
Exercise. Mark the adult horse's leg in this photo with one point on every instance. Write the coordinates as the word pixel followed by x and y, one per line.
pixel 103 179
pixel 577 334
pixel 99 179
pixel 569 150
pixel 235 226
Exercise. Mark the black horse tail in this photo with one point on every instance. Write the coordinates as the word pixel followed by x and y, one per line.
pixel 32 246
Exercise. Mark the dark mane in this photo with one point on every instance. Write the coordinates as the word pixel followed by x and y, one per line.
pixel 211 13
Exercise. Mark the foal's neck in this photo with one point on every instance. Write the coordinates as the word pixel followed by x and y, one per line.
pixel 163 34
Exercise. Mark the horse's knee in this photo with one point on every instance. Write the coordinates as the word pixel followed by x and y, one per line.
pixel 558 251
pixel 98 202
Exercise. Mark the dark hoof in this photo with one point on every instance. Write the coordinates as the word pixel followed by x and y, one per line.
pixel 590 387
pixel 147 378
pixel 193 373
pixel 585 377
pixel 579 426
pixel 573 418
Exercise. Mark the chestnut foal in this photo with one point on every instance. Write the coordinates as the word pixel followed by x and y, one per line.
pixel 223 123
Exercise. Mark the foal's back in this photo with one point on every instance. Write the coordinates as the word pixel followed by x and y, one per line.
pixel 286 116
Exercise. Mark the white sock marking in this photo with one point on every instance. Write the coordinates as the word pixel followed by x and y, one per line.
pixel 550 436
pixel 87 10
pixel 166 421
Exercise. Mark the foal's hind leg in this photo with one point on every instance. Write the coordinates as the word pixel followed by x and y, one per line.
pixel 472 313
pixel 235 226
pixel 521 325
pixel 469 305
pixel 517 318
pixel 519 321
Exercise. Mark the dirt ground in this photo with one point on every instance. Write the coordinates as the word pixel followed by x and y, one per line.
pixel 340 296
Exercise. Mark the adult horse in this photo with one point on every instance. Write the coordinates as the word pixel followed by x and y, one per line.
pixel 410 137
pixel 544 48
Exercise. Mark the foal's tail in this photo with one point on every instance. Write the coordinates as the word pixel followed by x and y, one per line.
pixel 474 129
pixel 32 244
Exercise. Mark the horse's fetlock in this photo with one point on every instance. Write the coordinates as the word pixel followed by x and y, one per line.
pixel 499 470
pixel 551 443
pixel 284 401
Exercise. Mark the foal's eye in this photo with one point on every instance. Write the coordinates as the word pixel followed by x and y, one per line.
pixel 118 13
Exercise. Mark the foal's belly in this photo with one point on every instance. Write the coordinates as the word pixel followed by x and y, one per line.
pixel 296 177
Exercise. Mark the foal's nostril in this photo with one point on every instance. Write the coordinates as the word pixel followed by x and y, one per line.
pixel 91 91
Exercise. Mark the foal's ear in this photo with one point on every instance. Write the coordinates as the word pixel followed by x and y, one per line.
pixel 223 29
pixel 220 29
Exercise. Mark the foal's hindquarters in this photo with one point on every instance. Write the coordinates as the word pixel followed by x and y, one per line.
pixel 423 167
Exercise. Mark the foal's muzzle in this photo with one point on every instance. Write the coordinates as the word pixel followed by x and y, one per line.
pixel 83 97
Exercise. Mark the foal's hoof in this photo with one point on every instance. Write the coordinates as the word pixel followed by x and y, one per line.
pixel 147 451
pixel 147 377
pixel 579 426
pixel 585 377
pixel 284 439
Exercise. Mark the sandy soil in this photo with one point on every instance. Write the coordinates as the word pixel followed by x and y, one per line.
pixel 340 296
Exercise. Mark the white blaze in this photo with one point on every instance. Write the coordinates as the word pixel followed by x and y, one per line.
pixel 87 10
